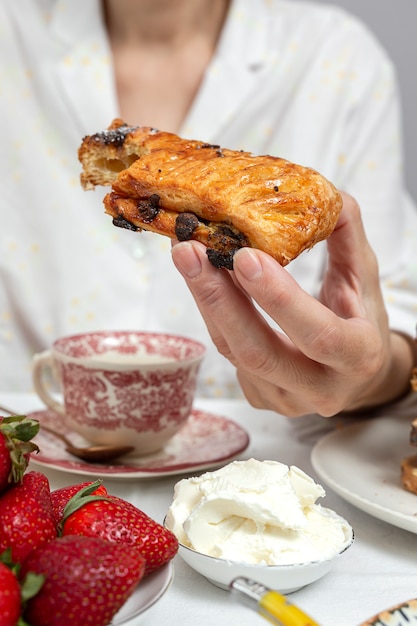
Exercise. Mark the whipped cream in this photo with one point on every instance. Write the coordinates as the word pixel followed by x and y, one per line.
pixel 261 512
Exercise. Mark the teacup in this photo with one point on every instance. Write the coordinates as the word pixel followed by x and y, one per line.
pixel 121 387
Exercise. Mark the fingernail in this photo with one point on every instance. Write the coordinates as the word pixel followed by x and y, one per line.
pixel 247 263
pixel 186 260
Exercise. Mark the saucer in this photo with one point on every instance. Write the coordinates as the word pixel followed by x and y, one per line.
pixel 205 441
pixel 147 593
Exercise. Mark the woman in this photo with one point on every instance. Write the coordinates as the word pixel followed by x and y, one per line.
pixel 299 80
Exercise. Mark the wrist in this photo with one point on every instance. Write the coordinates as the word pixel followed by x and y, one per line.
pixel 413 347
pixel 399 379
pixel 402 378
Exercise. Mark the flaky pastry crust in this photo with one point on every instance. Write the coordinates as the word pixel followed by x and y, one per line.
pixel 226 199
pixel 409 463
pixel 409 473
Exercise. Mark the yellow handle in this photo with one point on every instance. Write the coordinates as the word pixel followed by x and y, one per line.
pixel 274 605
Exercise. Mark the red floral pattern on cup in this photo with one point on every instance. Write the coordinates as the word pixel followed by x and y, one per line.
pixel 122 387
pixel 142 401
pixel 94 344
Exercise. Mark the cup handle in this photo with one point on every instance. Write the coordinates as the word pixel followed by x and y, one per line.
pixel 42 362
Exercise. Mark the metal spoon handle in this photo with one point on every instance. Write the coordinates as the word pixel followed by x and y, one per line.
pixel 9 411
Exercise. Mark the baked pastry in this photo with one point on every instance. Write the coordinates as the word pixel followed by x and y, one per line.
pixel 413 432
pixel 226 199
pixel 409 463
pixel 409 473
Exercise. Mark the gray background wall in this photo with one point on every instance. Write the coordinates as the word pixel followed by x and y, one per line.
pixel 394 22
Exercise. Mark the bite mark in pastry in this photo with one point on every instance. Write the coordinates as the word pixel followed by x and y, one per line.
pixel 227 199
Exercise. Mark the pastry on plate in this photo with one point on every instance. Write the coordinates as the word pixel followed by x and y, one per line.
pixel 227 199
pixel 409 463
pixel 409 473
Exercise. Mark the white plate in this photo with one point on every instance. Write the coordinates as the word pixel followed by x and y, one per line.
pixel 146 594
pixel 205 441
pixel 400 615
pixel 361 462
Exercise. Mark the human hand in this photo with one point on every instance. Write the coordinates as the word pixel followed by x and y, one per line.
pixel 335 353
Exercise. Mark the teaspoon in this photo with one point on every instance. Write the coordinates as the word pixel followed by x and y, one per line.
pixel 92 454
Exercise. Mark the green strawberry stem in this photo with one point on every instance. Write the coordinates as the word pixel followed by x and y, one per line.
pixel 82 497
pixel 31 584
pixel 20 427
pixel 6 559
pixel 18 430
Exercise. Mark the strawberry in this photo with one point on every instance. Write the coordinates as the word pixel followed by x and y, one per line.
pixel 10 605
pixel 87 580
pixel 61 496
pixel 16 433
pixel 26 517
pixel 13 592
pixel 119 521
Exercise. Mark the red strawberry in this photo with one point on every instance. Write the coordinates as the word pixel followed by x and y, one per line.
pixel 16 433
pixel 26 518
pixel 13 592
pixel 10 606
pixel 118 521
pixel 87 580
pixel 60 497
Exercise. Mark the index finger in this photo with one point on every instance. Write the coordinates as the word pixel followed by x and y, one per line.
pixel 318 332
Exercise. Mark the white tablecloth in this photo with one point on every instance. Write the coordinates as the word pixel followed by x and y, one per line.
pixel 378 571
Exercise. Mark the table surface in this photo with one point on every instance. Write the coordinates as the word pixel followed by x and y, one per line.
pixel 378 571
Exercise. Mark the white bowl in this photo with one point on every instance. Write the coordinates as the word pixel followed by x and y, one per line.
pixel 282 578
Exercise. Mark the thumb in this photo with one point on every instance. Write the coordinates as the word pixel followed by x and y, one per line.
pixel 348 245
